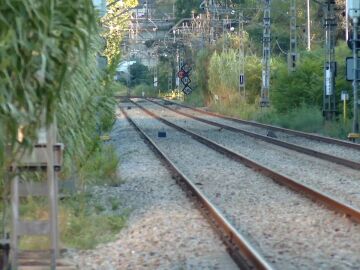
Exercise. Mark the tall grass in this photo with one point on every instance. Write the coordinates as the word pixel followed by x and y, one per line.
pixel 48 55
pixel 304 118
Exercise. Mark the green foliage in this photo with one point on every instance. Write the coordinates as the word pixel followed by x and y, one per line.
pixel 165 70
pixel 337 129
pixel 100 167
pixel 305 86
pixel 184 8
pixel 237 107
pixel 201 77
pixel 115 21
pixel 147 89
pixel 305 118
pixel 49 64
pixel 224 74
pixel 140 74
pixel 85 222
pixel 42 43
pixel 195 99
pixel 290 90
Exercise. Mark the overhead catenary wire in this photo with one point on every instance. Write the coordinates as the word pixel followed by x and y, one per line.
pixel 281 50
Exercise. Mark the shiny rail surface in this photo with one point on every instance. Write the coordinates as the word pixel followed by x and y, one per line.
pixel 239 248
pixel 300 149
pixel 279 178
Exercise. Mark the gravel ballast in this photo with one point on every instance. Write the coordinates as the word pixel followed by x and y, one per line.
pixel 333 179
pixel 331 149
pixel 291 231
pixel 164 230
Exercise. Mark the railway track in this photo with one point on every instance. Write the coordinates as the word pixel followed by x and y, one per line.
pixel 292 146
pixel 266 173
pixel 304 184
pixel 265 127
pixel 239 248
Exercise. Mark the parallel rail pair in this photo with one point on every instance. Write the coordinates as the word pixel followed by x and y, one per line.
pixel 246 251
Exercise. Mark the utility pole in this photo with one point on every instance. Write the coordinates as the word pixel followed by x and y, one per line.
pixel 147 10
pixel 329 96
pixel 346 21
pixel 225 33
pixel 265 87
pixel 170 80
pixel 354 14
pixel 355 82
pixel 155 73
pixel 292 55
pixel 241 55
pixel 177 79
pixel 308 30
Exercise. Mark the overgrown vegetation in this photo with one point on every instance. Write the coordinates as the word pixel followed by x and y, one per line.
pixel 296 97
pixel 49 57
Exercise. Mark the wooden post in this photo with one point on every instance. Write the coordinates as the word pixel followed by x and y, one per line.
pixel 53 198
pixel 15 220
pixel 49 153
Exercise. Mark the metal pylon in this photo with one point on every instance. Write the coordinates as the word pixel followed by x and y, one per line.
pixel 292 55
pixel 241 55
pixel 329 96
pixel 265 87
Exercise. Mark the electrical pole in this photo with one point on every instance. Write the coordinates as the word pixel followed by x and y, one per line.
pixel 355 128
pixel 354 14
pixel 346 21
pixel 155 73
pixel 308 30
pixel 177 80
pixel 292 55
pixel 170 79
pixel 241 55
pixel 329 96
pixel 265 87
pixel 225 23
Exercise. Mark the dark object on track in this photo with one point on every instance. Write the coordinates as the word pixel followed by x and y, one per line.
pixel 162 134
pixel 271 134
pixel 167 102
pixel 312 193
pixel 304 150
pixel 129 107
pixel 238 247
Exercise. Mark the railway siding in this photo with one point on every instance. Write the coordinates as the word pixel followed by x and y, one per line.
pixel 340 148
pixel 290 230
pixel 165 230
pixel 338 181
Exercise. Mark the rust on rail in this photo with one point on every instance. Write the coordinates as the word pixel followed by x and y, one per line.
pixel 239 248
pixel 300 149
pixel 309 192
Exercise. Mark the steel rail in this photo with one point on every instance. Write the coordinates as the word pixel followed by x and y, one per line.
pixel 274 128
pixel 300 149
pixel 239 248
pixel 279 178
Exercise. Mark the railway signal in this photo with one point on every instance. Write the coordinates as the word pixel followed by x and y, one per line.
pixel 183 75
pixel 186 80
pixel 187 90
pixel 242 80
